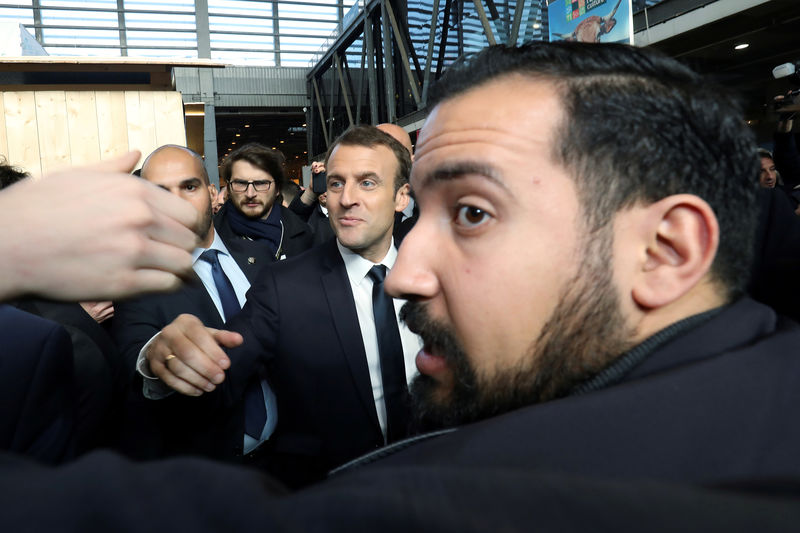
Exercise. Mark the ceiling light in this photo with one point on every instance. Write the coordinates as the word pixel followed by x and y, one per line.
pixel 234 142
pixel 282 142
pixel 304 125
pixel 536 25
pixel 741 46
pixel 238 134
pixel 247 125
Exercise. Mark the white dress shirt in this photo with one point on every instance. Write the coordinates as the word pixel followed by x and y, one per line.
pixel 357 270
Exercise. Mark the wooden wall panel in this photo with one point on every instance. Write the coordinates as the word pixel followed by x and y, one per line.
pixel 112 123
pixel 3 133
pixel 83 132
pixel 141 122
pixel 46 130
pixel 23 143
pixel 51 120
pixel 169 121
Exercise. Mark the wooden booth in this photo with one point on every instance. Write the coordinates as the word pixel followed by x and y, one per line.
pixel 62 111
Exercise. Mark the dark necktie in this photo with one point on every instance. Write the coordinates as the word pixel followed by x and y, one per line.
pixel 255 412
pixel 390 349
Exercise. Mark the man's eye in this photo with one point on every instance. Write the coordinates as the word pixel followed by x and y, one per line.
pixel 334 184
pixel 471 216
pixel 191 187
pixel 368 183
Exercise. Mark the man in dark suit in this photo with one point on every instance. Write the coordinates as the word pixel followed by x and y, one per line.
pixel 152 430
pixel 254 180
pixel 734 362
pixel 565 275
pixel 37 393
pixel 310 322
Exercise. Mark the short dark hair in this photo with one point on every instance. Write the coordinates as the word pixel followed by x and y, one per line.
pixel 637 127
pixel 369 136
pixel 763 152
pixel 258 155
pixel 290 190
pixel 9 174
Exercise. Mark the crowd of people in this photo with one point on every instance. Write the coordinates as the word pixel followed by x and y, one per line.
pixel 578 332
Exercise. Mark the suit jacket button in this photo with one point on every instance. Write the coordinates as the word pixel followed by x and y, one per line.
pixel 251 260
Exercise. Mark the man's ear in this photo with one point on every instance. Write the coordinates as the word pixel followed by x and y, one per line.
pixel 401 198
pixel 682 235
pixel 212 192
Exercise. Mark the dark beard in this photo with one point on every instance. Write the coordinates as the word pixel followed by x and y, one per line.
pixel 585 332
pixel 204 224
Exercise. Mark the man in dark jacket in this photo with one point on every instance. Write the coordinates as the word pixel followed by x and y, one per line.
pixel 254 178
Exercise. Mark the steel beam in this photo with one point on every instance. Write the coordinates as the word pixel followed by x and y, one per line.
pixel 412 79
pixel 487 28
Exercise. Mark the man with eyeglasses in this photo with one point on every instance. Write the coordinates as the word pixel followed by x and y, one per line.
pixel 214 292
pixel 319 325
pixel 254 176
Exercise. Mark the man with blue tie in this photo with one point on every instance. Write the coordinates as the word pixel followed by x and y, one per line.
pixel 215 292
pixel 320 325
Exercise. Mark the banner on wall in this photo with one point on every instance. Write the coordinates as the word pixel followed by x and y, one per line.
pixel 591 21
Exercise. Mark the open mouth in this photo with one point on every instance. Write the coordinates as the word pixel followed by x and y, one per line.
pixel 430 363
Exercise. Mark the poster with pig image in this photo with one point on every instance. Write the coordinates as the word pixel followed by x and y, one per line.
pixel 591 21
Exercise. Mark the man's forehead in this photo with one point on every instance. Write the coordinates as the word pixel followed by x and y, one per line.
pixel 242 169
pixel 516 104
pixel 357 158
pixel 467 134
pixel 170 159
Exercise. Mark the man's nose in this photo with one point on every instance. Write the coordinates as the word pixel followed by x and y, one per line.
pixel 414 274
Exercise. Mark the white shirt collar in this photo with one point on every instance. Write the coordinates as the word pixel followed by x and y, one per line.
pixel 358 267
pixel 216 244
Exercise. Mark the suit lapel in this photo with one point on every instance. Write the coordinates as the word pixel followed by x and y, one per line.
pixel 345 319
pixel 250 258
pixel 197 298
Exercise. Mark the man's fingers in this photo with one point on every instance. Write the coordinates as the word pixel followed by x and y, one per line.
pixel 185 373
pixel 196 347
pixel 229 339
pixel 174 206
pixel 123 163
pixel 167 229
pixel 165 374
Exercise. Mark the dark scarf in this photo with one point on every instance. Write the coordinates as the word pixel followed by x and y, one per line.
pixel 259 229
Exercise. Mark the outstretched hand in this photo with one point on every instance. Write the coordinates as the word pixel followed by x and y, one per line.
pixel 187 356
pixel 93 233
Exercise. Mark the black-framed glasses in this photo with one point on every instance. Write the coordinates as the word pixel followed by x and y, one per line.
pixel 259 185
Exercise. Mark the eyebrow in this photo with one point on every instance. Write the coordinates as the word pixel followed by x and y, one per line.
pixel 363 175
pixel 455 171
pixel 191 181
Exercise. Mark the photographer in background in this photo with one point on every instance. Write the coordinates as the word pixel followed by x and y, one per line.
pixel 786 158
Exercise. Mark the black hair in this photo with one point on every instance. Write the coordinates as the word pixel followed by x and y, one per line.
pixel 637 126
pixel 9 174
pixel 269 160
pixel 369 136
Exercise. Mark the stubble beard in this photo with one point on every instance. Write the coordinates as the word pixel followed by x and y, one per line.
pixel 585 332
pixel 204 224
pixel 239 204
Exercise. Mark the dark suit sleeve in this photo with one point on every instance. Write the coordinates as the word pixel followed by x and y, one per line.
pixel 300 209
pixel 136 321
pixel 102 492
pixel 37 395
